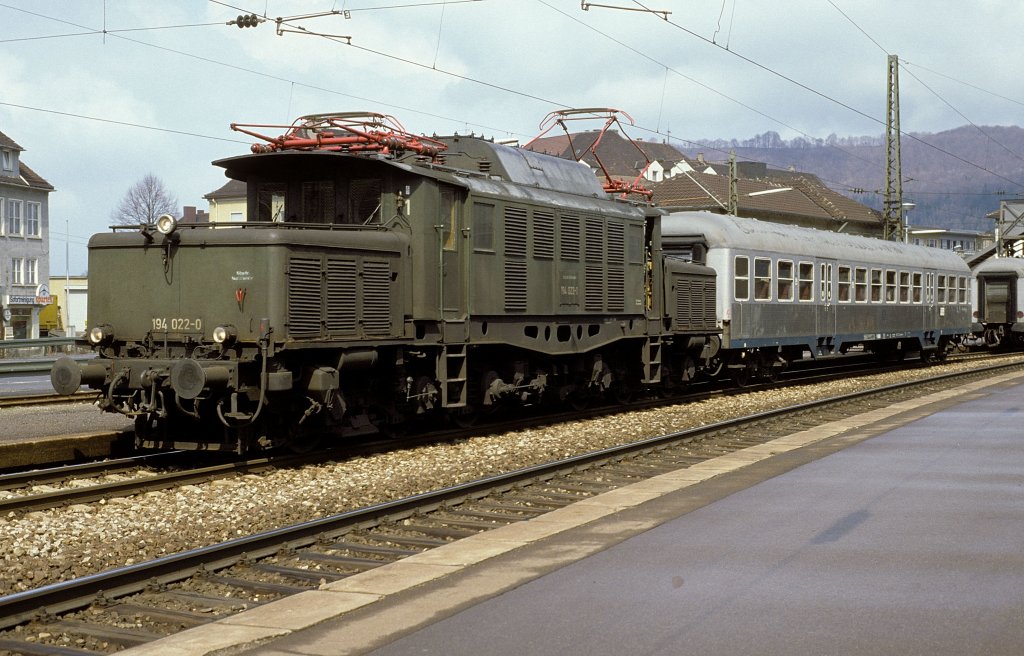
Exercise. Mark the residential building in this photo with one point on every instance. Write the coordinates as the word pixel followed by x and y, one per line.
pixel 24 244
pixel 228 202
pixel 682 183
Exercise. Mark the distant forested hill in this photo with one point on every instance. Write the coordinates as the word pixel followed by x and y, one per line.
pixel 954 190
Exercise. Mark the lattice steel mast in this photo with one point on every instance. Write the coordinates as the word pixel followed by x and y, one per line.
pixel 892 219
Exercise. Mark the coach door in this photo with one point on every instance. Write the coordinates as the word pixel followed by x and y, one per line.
pixel 930 310
pixel 826 300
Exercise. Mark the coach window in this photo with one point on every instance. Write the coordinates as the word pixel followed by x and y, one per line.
pixel 963 289
pixel 741 279
pixel 904 287
pixel 483 227
pixel 860 288
pixel 784 274
pixel 915 287
pixel 805 281
pixel 940 289
pixel 890 286
pixel 845 284
pixel 876 285
pixel 762 279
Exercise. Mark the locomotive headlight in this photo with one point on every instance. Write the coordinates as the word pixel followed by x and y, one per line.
pixel 225 334
pixel 100 334
pixel 166 224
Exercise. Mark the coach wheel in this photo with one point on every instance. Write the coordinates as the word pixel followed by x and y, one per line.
pixel 464 417
pixel 740 376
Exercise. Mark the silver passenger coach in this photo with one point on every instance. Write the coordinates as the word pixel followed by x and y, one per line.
pixel 799 292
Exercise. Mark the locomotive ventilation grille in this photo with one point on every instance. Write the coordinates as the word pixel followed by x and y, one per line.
pixel 515 259
pixel 336 299
pixel 695 305
pixel 304 297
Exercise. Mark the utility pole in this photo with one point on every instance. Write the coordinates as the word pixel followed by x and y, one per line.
pixel 734 197
pixel 892 218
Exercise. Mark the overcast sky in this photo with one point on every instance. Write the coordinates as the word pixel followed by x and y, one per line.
pixel 715 69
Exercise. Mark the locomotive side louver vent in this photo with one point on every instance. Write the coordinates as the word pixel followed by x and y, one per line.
pixel 304 297
pixel 616 262
pixel 695 305
pixel 515 259
pixel 594 229
pixel 569 234
pixel 515 285
pixel 515 231
pixel 543 235
pixel 684 313
pixel 593 289
pixel 376 298
pixel 341 297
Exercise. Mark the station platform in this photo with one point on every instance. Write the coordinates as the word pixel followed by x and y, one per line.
pixel 900 531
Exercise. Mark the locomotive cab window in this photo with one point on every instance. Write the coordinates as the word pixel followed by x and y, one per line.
pixel 762 279
pixel 741 278
pixel 483 227
pixel 270 201
pixel 449 221
pixel 364 200
pixel 317 202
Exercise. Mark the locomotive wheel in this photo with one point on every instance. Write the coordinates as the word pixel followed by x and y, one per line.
pixel 464 417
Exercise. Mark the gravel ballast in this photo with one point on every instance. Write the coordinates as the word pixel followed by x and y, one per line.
pixel 45 547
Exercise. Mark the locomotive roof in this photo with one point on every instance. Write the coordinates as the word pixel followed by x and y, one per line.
pixel 467 158
pixel 731 232
pixel 1013 265
pixel 471 162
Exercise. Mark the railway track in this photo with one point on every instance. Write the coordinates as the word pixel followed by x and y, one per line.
pixel 41 489
pixel 139 603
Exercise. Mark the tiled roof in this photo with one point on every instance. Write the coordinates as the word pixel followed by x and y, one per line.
pixel 761 199
pixel 619 155
pixel 7 142
pixel 231 189
pixel 33 179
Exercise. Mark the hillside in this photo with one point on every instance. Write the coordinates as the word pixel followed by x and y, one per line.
pixel 948 191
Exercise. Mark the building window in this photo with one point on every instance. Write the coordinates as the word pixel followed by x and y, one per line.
pixel 32 213
pixel 8 160
pixel 31 272
pixel 236 216
pixel 13 222
pixel 17 271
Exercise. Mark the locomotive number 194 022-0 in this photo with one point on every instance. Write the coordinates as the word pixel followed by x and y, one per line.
pixel 177 323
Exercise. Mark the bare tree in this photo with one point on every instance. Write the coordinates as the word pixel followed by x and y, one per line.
pixel 146 200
